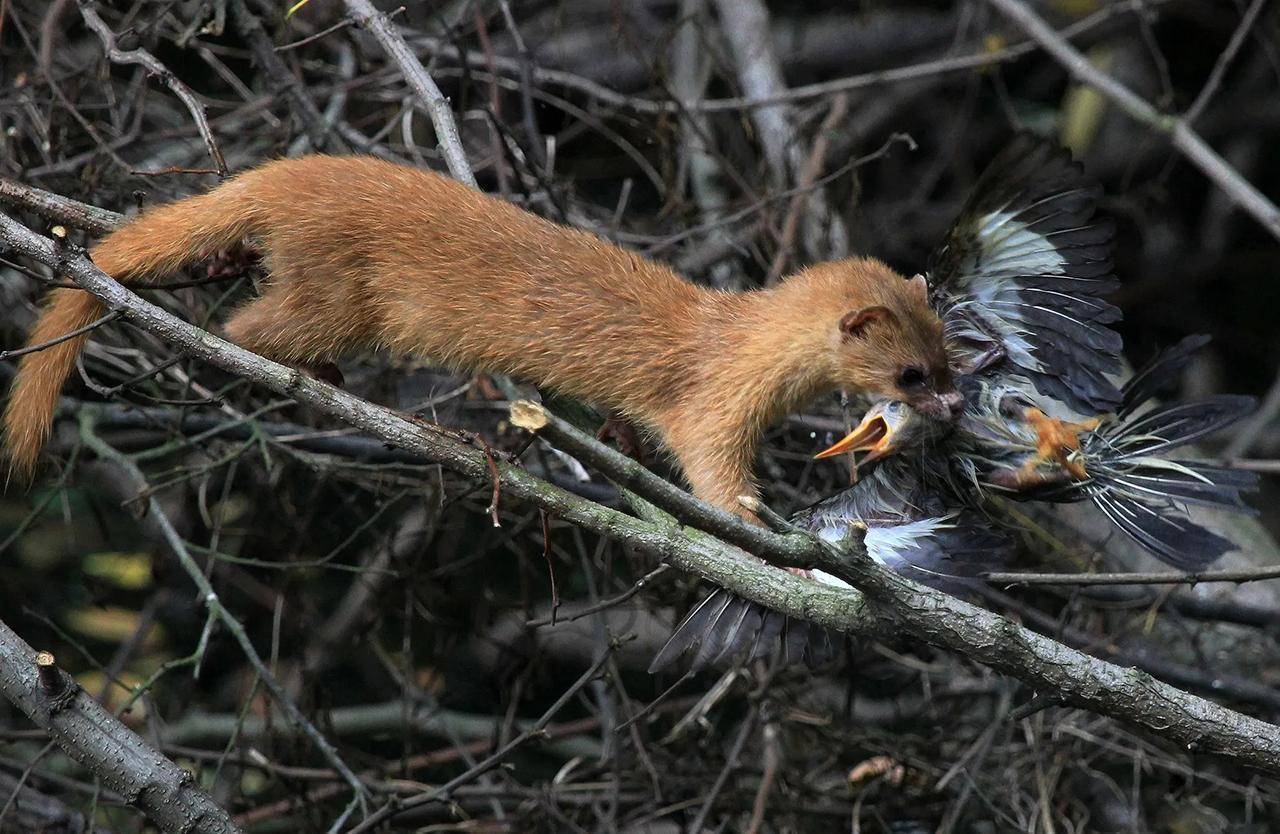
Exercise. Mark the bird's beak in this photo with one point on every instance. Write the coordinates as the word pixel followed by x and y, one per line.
pixel 873 435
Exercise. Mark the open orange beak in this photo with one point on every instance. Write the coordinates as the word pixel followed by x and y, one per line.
pixel 871 435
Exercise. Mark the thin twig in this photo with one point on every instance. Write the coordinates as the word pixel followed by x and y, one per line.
pixel 746 25
pixel 730 764
pixel 146 60
pixel 1224 61
pixel 808 175
pixel 772 762
pixel 804 92
pixel 283 81
pixel 211 600
pixel 65 337
pixel 1184 138
pixel 544 520
pixel 493 760
pixel 604 604
pixel 1258 421
pixel 424 89
pixel 1148 578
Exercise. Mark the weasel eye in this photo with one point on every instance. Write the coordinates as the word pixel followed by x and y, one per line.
pixel 911 377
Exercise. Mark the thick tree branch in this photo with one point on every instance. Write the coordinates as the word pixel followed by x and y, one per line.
pixel 1184 138
pixel 891 605
pixel 59 209
pixel 95 738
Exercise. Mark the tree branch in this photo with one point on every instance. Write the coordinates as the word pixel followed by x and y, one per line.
pixel 1141 578
pixel 146 60
pixel 215 606
pixel 1184 138
pixel 95 738
pixel 891 605
pixel 437 106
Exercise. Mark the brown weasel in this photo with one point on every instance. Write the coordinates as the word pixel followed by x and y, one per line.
pixel 366 254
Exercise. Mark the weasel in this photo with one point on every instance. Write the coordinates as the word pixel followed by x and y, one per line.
pixel 365 254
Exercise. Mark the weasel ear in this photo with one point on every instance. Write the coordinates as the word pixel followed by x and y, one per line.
pixel 919 286
pixel 854 323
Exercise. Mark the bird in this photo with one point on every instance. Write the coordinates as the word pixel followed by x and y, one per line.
pixel 1020 284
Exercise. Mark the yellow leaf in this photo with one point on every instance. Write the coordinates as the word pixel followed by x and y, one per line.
pixel 111 625
pixel 117 694
pixel 131 571
pixel 295 7
pixel 1084 108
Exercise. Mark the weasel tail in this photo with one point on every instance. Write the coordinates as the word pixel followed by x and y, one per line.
pixel 156 244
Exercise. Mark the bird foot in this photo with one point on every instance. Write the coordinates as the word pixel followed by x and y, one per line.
pixel 1058 441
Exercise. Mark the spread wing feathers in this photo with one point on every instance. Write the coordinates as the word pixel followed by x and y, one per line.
pixel 725 626
pixel 1023 271
pixel 1146 494
pixel 1167 427
pixel 917 523
pixel 1162 528
pixel 1159 374
pixel 945 553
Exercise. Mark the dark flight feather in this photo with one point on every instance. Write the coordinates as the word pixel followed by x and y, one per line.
pixel 1025 266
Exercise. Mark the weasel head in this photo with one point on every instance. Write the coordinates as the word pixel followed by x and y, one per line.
pixel 883 338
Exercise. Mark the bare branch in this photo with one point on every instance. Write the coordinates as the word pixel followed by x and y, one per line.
pixel 1240 190
pixel 1224 61
pixel 1149 578
pixel 146 60
pixel 58 208
pixel 215 606
pixel 425 89
pixel 95 738
pixel 746 25
pixel 897 75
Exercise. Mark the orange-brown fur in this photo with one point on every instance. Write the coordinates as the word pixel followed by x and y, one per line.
pixel 366 254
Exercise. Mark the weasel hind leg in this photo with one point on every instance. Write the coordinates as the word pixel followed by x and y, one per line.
pixel 299 329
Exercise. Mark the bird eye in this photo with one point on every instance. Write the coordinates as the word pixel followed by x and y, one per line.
pixel 911 377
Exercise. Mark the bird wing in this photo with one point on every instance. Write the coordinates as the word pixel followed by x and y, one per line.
pixel 910 528
pixel 725 626
pixel 1022 274
pixel 1147 494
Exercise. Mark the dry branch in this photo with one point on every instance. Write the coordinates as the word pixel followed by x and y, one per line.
pixel 924 71
pixel 426 91
pixel 891 605
pixel 1184 138
pixel 109 750
pixel 147 61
